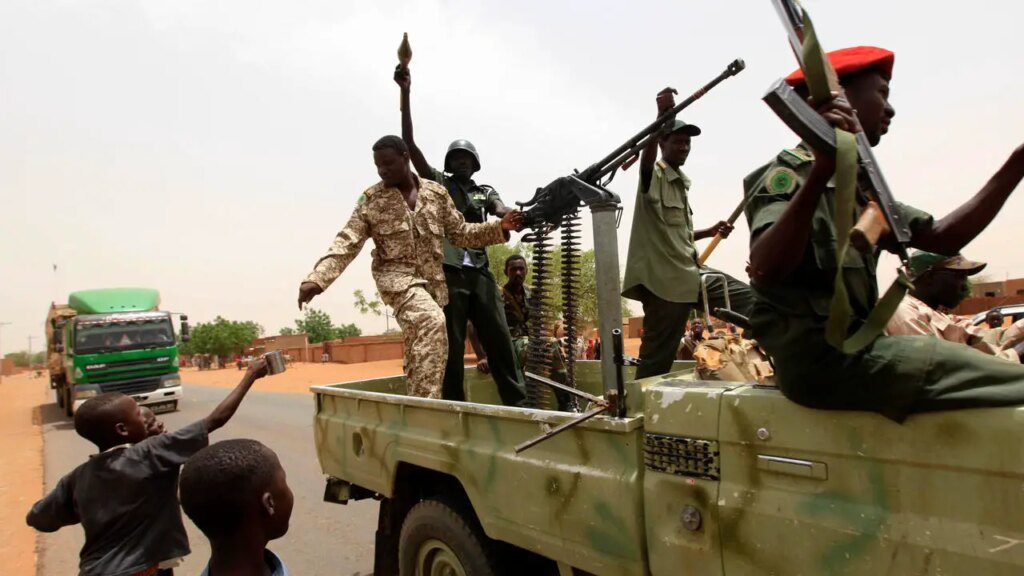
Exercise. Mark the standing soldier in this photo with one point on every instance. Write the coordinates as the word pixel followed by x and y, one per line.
pixel 408 219
pixel 793 267
pixel 661 266
pixel 472 289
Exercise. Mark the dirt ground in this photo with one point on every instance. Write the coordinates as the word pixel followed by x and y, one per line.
pixel 301 375
pixel 21 468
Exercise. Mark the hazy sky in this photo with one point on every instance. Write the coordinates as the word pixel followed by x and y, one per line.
pixel 213 149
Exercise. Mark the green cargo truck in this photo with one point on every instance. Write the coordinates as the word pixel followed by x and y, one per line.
pixel 114 340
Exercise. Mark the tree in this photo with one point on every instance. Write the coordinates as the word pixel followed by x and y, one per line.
pixel 21 358
pixel 317 325
pixel 222 337
pixel 346 330
pixel 286 331
pixel 375 307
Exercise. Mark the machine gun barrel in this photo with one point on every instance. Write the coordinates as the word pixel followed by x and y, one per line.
pixel 631 147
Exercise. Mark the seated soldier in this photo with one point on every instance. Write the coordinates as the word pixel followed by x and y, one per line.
pixel 940 283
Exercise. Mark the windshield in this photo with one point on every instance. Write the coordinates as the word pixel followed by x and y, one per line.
pixel 133 335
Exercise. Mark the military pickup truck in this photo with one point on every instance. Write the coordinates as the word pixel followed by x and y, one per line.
pixel 668 475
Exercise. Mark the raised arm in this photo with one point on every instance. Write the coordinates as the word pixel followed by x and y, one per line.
pixel 950 234
pixel 226 409
pixel 461 233
pixel 343 250
pixel 649 155
pixel 404 81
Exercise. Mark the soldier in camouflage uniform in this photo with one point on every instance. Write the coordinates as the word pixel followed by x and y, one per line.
pixel 472 290
pixel 793 267
pixel 408 219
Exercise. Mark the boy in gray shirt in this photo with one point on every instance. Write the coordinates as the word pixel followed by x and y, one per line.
pixel 126 495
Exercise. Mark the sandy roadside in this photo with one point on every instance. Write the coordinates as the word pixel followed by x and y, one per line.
pixel 21 468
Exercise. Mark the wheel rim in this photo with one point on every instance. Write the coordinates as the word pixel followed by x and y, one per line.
pixel 435 558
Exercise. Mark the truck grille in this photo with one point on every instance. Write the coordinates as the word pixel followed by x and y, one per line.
pixel 130 387
pixel 681 456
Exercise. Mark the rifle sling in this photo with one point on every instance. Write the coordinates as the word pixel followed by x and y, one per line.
pixel 840 311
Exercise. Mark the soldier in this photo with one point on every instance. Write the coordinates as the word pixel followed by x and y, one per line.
pixel 940 283
pixel 472 289
pixel 661 265
pixel 792 267
pixel 408 218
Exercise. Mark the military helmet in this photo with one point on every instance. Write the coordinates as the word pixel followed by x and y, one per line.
pixel 461 145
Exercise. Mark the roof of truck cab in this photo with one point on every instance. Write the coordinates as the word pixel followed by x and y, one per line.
pixel 106 300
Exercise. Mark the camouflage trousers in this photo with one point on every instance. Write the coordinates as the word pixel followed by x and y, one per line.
pixel 426 341
pixel 555 356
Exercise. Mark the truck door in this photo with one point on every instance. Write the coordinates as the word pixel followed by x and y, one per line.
pixel 814 492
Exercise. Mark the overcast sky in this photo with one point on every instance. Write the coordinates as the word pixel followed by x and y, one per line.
pixel 213 149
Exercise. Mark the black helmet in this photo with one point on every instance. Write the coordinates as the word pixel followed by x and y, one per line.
pixel 461 145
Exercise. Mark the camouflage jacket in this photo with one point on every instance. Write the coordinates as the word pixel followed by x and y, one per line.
pixel 408 243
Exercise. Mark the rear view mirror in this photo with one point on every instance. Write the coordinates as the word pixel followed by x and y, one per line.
pixel 184 328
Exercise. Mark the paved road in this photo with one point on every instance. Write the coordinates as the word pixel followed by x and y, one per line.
pixel 324 539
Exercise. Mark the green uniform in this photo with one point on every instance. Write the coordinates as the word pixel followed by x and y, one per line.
pixel 662 271
pixel 517 312
pixel 473 296
pixel 895 375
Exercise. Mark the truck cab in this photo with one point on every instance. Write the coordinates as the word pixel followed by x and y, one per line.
pixel 119 341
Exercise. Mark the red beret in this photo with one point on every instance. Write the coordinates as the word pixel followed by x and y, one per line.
pixel 850 60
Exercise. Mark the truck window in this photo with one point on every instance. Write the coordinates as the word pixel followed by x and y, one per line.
pixel 92 337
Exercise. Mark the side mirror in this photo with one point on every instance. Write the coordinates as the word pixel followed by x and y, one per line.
pixel 184 328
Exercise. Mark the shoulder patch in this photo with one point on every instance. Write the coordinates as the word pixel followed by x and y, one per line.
pixel 781 181
pixel 795 157
pixel 361 199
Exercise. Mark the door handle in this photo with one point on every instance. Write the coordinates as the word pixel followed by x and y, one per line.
pixel 792 466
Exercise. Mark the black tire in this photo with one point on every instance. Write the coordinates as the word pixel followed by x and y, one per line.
pixel 58 391
pixel 440 539
pixel 69 402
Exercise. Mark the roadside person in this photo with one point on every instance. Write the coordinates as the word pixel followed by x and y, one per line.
pixel 694 336
pixel 516 300
pixel 994 319
pixel 237 493
pixel 125 496
pixel 408 218
pixel 940 283
pixel 472 289
pixel 661 266
pixel 792 268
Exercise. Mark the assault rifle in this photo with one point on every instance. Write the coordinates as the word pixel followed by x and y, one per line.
pixel 561 197
pixel 881 217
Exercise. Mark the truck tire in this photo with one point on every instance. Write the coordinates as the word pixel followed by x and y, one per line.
pixel 58 391
pixel 439 539
pixel 69 402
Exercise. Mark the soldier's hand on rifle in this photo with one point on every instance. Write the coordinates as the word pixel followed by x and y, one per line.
pixel 306 292
pixel 840 114
pixel 402 77
pixel 722 229
pixel 512 221
pixel 665 99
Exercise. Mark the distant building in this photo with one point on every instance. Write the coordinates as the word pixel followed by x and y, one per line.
pixel 988 295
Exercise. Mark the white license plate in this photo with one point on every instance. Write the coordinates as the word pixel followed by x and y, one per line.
pixel 161 407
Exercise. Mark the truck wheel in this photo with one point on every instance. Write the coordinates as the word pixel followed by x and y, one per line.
pixel 59 393
pixel 69 403
pixel 438 539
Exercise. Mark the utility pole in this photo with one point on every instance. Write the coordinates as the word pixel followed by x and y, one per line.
pixel 30 354
pixel 2 324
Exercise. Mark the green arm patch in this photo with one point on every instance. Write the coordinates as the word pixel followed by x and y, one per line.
pixel 361 199
pixel 781 181
pixel 795 157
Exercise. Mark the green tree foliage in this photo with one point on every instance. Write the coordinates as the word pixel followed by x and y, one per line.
pixel 375 307
pixel 287 331
pixel 20 358
pixel 318 327
pixel 221 337
pixel 586 286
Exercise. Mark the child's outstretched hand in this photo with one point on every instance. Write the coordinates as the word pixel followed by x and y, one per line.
pixel 257 368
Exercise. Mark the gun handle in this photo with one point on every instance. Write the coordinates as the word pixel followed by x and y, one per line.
pixel 628 163
pixel 870 228
pixel 711 248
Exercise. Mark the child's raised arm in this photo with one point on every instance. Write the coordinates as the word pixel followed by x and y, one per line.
pixel 226 409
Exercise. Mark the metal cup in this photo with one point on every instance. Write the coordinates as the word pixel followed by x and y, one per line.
pixel 275 362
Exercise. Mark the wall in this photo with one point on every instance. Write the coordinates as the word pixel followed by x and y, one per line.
pixel 972 306
pixel 1004 288
pixel 354 350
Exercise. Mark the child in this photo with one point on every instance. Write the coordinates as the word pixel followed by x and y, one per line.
pixel 153 426
pixel 236 492
pixel 126 496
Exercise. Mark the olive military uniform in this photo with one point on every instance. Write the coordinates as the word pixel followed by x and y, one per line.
pixel 895 375
pixel 517 312
pixel 473 296
pixel 662 271
pixel 409 250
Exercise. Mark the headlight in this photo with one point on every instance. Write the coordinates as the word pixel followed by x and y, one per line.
pixel 86 393
pixel 171 382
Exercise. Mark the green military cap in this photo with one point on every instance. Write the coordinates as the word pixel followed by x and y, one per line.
pixel 921 261
pixel 680 126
